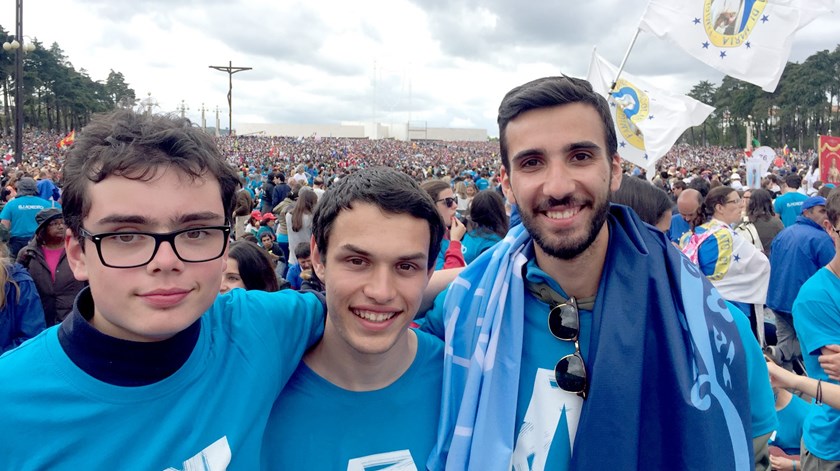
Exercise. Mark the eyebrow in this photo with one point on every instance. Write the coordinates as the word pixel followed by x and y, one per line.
pixel 142 220
pixel 358 250
pixel 573 146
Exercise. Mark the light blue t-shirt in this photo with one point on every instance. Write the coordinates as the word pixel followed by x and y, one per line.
pixel 791 418
pixel 21 211
pixel 316 425
pixel 816 318
pixel 476 242
pixel 547 416
pixel 209 415
pixel 788 206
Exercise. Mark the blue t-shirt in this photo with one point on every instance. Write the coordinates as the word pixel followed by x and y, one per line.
pixel 677 229
pixel 319 426
pixel 293 276
pixel 816 318
pixel 209 413
pixel 788 206
pixel 547 416
pixel 791 418
pixel 475 242
pixel 21 213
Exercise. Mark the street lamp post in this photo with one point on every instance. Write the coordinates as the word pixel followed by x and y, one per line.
pixel 230 69
pixel 20 46
pixel 183 108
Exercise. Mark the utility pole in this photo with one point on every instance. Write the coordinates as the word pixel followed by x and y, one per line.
pixel 230 69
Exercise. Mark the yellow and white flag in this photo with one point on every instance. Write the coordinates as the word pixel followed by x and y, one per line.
pixel 746 39
pixel 648 120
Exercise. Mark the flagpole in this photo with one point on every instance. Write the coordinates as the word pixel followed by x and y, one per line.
pixel 624 61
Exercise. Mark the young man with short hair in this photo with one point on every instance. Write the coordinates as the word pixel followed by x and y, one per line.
pixel 789 204
pixel 816 316
pixel 303 253
pixel 152 369
pixel 584 339
pixel 368 394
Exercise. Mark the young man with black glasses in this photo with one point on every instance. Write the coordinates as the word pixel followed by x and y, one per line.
pixel 151 370
pixel 584 340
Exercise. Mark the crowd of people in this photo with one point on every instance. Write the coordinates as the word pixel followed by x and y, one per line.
pixel 243 302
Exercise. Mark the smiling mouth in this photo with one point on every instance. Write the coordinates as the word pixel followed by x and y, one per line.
pixel 565 214
pixel 373 316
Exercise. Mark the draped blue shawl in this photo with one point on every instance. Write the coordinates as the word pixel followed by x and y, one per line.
pixel 667 369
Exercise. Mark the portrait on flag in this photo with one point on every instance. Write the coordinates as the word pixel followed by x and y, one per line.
pixel 830 159
pixel 746 39
pixel 648 120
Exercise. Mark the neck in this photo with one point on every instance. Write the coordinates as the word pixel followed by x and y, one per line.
pixel 834 266
pixel 54 244
pixel 782 398
pixel 580 276
pixel 344 366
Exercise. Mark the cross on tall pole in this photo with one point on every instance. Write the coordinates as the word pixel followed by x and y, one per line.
pixel 230 69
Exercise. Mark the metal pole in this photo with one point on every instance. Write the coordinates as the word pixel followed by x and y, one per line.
pixel 19 83
pixel 230 69
pixel 624 61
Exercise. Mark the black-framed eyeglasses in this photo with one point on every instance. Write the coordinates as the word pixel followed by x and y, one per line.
pixel 570 371
pixel 452 200
pixel 135 249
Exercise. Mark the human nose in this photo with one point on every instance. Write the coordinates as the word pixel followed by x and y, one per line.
pixel 558 182
pixel 380 286
pixel 165 258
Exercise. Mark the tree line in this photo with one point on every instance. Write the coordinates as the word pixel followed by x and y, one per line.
pixel 805 104
pixel 57 97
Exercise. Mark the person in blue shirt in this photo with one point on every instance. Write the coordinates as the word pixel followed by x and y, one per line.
pixel 585 340
pixel 816 317
pixel 303 254
pixel 488 224
pixel 19 214
pixel 152 369
pixel 789 204
pixel 46 188
pixel 688 208
pixel 367 396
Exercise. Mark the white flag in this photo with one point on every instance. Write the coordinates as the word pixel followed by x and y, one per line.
pixel 746 39
pixel 648 121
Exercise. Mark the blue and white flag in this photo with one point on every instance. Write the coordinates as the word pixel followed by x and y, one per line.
pixel 648 120
pixel 746 39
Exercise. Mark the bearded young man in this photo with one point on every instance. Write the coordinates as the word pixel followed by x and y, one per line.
pixel 584 340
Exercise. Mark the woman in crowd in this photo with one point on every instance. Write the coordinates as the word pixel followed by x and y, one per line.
pixel 650 202
pixel 760 212
pixel 21 313
pixel 280 211
pixel 45 260
pixel 450 255
pixel 488 224
pixel 299 220
pixel 460 190
pixel 248 267
pixel 739 271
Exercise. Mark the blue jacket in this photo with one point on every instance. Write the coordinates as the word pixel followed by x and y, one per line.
pixel 22 316
pixel 796 254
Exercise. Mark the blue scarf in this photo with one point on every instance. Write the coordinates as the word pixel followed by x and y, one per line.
pixel 668 385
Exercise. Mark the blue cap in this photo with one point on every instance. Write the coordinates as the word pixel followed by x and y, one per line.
pixel 813 201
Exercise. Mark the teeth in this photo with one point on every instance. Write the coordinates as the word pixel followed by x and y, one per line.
pixel 375 316
pixel 562 214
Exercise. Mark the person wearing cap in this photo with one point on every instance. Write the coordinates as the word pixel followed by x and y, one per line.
pixel 45 259
pixel 796 254
pixel 19 214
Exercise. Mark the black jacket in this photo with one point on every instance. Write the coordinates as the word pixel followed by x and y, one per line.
pixel 56 296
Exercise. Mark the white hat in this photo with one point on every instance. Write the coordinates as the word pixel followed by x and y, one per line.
pixel 735 176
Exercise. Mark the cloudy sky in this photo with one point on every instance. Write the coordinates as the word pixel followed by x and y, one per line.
pixel 439 62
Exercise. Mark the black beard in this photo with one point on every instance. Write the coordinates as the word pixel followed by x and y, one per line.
pixel 569 253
